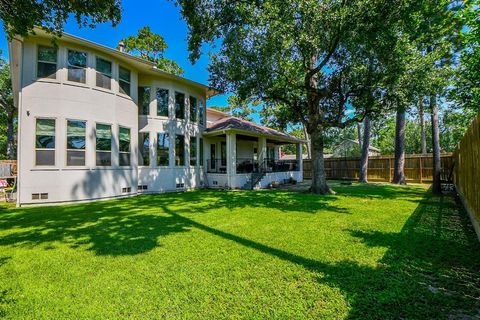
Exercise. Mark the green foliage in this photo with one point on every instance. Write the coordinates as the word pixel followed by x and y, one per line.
pixel 239 108
pixel 21 16
pixel 467 85
pixel 151 46
pixel 7 109
pixel 370 252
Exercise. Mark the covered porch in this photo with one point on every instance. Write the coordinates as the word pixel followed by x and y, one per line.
pixel 240 154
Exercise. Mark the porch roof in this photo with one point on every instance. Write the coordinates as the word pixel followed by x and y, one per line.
pixel 234 124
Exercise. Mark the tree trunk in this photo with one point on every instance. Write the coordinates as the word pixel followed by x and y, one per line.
pixel 398 172
pixel 365 149
pixel 319 178
pixel 11 154
pixel 359 135
pixel 423 135
pixel 309 143
pixel 437 186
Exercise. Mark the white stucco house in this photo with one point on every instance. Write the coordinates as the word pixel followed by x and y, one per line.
pixel 98 123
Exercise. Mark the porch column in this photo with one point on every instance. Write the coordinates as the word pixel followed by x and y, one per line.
pixel 231 158
pixel 300 157
pixel 262 149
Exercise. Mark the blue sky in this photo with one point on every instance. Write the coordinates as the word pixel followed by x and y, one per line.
pixel 164 18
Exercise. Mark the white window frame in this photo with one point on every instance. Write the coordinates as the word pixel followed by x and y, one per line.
pixel 49 62
pixel 111 144
pixel 76 150
pixel 129 147
pixel 47 149
pixel 110 76
pixel 75 67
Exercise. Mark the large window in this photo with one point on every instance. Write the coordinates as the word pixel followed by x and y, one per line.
pixel 179 105
pixel 124 80
pixel 193 109
pixel 103 134
pixel 77 66
pixel 201 112
pixel 46 62
pixel 144 147
pixel 223 153
pixel 76 140
pixel 45 142
pixel 104 73
pixel 163 148
pixel 162 102
pixel 144 100
pixel 201 152
pixel 124 146
pixel 179 150
pixel 193 151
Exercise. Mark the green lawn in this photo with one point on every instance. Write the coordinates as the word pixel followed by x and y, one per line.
pixel 369 252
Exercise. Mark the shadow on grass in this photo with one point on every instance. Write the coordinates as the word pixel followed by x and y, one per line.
pixel 430 270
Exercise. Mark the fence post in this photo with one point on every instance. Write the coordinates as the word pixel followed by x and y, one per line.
pixel 421 169
pixel 389 169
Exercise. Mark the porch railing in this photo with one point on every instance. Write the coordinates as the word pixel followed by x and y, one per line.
pixel 249 165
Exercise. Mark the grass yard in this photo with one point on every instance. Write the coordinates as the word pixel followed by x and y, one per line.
pixel 369 252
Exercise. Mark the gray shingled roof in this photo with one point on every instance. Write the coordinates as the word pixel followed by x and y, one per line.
pixel 237 124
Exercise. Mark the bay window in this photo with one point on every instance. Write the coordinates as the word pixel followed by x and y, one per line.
pixel 201 112
pixel 162 102
pixel 76 141
pixel 193 109
pixel 103 145
pixel 163 149
pixel 179 150
pixel 144 101
pixel 124 80
pixel 104 73
pixel 77 66
pixel 179 105
pixel 45 142
pixel 193 151
pixel 46 62
pixel 144 148
pixel 124 146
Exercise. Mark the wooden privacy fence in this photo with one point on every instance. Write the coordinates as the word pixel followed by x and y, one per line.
pixel 467 171
pixel 418 168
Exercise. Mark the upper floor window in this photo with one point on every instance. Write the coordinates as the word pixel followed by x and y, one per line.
pixel 124 80
pixel 45 142
pixel 77 64
pixel 144 100
pixel 124 146
pixel 46 62
pixel 163 148
pixel 162 102
pixel 144 148
pixel 193 109
pixel 76 139
pixel 201 112
pixel 104 73
pixel 103 135
pixel 179 105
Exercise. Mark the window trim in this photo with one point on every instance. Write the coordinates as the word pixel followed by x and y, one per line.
pixel 66 143
pixel 111 144
pixel 129 147
pixel 35 144
pixel 37 61
pixel 96 71
pixel 85 68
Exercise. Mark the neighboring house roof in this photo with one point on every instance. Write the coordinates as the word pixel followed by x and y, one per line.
pixel 350 141
pixel 292 157
pixel 249 128
pixel 216 112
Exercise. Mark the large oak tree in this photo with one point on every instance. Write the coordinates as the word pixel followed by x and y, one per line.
pixel 310 58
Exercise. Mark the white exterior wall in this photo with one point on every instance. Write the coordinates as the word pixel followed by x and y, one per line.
pixel 63 100
pixel 60 99
pixel 165 178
